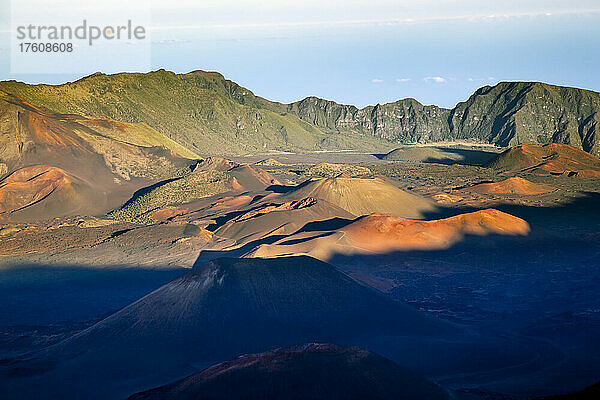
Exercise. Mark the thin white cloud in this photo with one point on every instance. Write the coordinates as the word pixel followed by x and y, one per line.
pixel 382 21
pixel 265 14
pixel 170 41
pixel 491 78
pixel 376 80
pixel 436 79
pixel 401 80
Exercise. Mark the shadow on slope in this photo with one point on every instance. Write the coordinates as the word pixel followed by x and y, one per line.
pixel 540 290
pixel 439 155
pixel 310 371
pixel 235 306
pixel 43 303
pixel 589 393
pixel 576 213
pixel 467 157
pixel 52 294
pixel 505 285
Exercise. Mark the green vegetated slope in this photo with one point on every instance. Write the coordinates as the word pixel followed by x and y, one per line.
pixel 201 110
pixel 54 164
pixel 180 190
pixel 329 170
pixel 211 115
pixel 138 134
pixel 87 146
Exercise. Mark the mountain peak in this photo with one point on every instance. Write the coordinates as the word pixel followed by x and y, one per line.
pixel 210 114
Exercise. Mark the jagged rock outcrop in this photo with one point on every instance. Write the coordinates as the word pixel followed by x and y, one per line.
pixel 404 121
pixel 513 113
pixel 507 114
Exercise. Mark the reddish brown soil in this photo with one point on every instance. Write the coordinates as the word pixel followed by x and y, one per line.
pixel 30 185
pixel 382 233
pixel 545 159
pixel 515 185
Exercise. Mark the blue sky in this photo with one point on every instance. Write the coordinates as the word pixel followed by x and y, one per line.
pixel 364 52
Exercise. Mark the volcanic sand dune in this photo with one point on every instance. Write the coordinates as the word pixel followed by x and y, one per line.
pixel 446 198
pixel 546 159
pixel 269 162
pixel 514 185
pixel 292 205
pixel 205 208
pixel 253 178
pixel 41 191
pixel 312 371
pixel 229 202
pixel 166 213
pixel 215 164
pixel 246 176
pixel 278 219
pixel 361 196
pixel 195 321
pixel 173 197
pixel 31 135
pixel 113 159
pixel 379 233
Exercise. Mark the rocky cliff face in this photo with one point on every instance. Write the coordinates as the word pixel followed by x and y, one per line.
pixel 515 113
pixel 404 121
pixel 507 114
